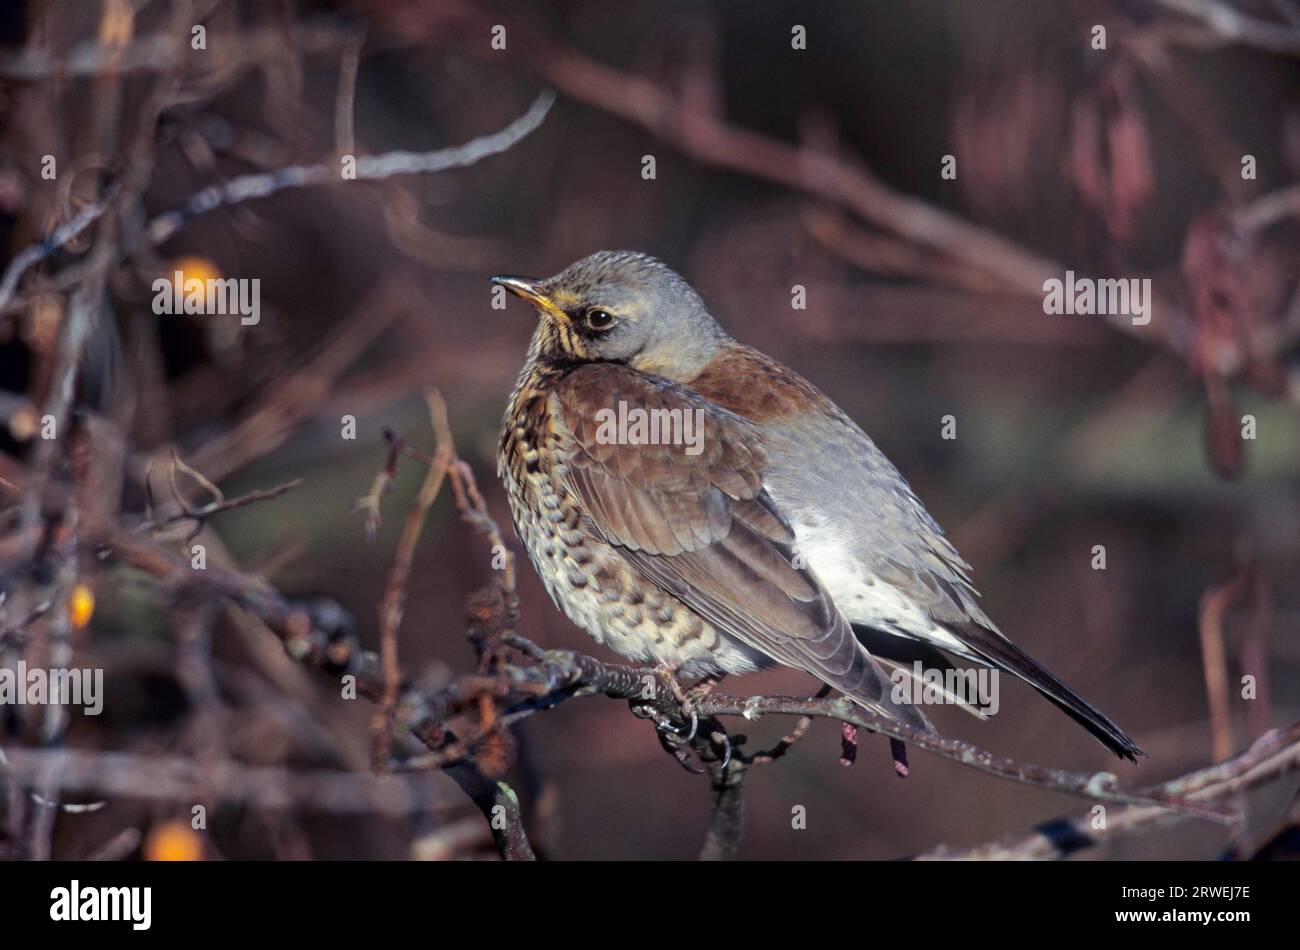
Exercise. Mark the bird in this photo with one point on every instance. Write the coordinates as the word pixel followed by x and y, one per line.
pixel 692 503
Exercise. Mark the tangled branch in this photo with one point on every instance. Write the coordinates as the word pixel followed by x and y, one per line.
pixel 464 723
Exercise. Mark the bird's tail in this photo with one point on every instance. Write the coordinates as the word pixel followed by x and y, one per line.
pixel 1005 655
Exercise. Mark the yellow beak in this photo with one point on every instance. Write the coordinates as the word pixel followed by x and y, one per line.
pixel 530 289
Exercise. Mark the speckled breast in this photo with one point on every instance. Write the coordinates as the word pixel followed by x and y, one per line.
pixel 586 577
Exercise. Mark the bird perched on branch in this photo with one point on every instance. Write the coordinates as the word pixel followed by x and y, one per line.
pixel 691 502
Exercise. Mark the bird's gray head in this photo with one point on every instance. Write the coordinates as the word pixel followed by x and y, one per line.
pixel 621 306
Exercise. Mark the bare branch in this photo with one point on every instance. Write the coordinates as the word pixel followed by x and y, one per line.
pixel 393 604
pixel 200 515
pixel 1274 754
pixel 164 779
pixel 248 187
pixel 1231 24
pixel 368 168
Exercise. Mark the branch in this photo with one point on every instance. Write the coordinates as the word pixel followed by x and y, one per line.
pixel 518 690
pixel 1099 786
pixel 726 824
pixel 708 139
pixel 392 606
pixel 202 513
pixel 158 52
pixel 500 805
pixel 521 689
pixel 248 187
pixel 168 779
pixel 1233 25
pixel 483 705
pixel 1273 755
pixel 564 675
pixel 368 168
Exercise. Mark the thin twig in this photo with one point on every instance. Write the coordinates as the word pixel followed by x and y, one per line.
pixel 1214 656
pixel 367 168
pixel 200 515
pixel 393 603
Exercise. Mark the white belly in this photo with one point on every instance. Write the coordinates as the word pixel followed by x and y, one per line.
pixel 862 597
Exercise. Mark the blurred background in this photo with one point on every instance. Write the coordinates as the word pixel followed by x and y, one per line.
pixel 774 166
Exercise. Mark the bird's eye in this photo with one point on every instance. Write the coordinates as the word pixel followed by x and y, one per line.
pixel 600 319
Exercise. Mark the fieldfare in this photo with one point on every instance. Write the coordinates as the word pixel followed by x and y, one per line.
pixel 691 502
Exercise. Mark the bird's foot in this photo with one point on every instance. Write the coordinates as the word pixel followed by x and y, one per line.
pixel 898 752
pixel 684 700
pixel 677 748
pixel 664 724
pixel 703 686
pixel 848 744
pixel 669 736
pixel 676 740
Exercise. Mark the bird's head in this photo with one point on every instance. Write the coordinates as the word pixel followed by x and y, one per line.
pixel 624 307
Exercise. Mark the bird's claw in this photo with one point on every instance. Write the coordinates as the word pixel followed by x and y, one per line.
pixel 665 725
pixel 726 750
pixel 695 725
pixel 677 751
pixel 675 740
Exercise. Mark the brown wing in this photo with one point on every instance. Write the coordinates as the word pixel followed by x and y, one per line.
pixel 702 528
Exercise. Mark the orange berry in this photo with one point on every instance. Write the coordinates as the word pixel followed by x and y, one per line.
pixel 81 606
pixel 173 841
pixel 193 268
